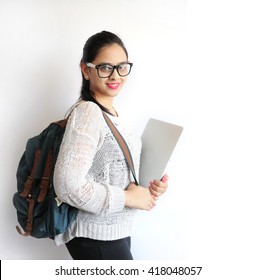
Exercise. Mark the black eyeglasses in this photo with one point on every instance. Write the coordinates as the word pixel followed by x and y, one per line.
pixel 105 70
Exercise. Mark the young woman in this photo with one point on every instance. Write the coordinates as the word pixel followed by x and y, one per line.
pixel 91 171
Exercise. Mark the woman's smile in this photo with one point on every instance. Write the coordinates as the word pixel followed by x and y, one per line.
pixel 113 86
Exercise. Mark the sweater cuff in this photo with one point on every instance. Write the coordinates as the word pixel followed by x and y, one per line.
pixel 116 199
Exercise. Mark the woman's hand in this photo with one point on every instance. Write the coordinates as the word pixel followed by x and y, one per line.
pixel 157 188
pixel 139 198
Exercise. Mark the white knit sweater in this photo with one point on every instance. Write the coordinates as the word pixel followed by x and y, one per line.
pixel 91 174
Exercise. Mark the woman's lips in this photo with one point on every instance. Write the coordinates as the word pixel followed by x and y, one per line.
pixel 113 85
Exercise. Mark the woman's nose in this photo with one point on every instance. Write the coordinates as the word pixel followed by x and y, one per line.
pixel 114 75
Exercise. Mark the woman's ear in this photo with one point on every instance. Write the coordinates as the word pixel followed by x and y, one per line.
pixel 85 70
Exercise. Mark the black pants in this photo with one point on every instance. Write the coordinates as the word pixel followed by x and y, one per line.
pixel 81 248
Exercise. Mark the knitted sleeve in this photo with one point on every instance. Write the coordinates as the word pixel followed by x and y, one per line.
pixel 83 137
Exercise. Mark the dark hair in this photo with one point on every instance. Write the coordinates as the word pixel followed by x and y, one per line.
pixel 91 49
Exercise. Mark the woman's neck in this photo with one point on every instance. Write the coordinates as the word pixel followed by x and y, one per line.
pixel 108 104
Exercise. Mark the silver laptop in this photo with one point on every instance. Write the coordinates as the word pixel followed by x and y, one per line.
pixel 158 142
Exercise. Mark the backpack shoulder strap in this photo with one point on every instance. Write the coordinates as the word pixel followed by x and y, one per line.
pixel 123 145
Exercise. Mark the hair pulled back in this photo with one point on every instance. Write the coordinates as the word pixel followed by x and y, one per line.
pixel 90 51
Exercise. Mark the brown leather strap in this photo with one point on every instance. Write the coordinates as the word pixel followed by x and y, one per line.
pixel 29 225
pixel 26 193
pixel 45 180
pixel 124 147
pixel 30 179
pixel 62 123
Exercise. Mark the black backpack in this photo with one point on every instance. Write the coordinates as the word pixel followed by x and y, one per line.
pixel 37 210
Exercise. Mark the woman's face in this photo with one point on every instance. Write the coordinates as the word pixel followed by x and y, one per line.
pixel 106 88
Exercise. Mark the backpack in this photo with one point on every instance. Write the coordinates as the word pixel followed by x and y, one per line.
pixel 38 212
pixel 35 200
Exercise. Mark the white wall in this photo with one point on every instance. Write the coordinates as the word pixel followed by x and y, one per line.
pixel 202 81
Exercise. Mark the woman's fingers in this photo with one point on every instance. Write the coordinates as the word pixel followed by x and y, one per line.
pixel 157 187
pixel 165 178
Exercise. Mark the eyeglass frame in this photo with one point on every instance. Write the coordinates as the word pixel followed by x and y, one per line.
pixel 91 65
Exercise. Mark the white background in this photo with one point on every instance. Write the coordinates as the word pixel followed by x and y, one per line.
pixel 194 65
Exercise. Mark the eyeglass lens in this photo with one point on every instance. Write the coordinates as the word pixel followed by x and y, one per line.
pixel 107 70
